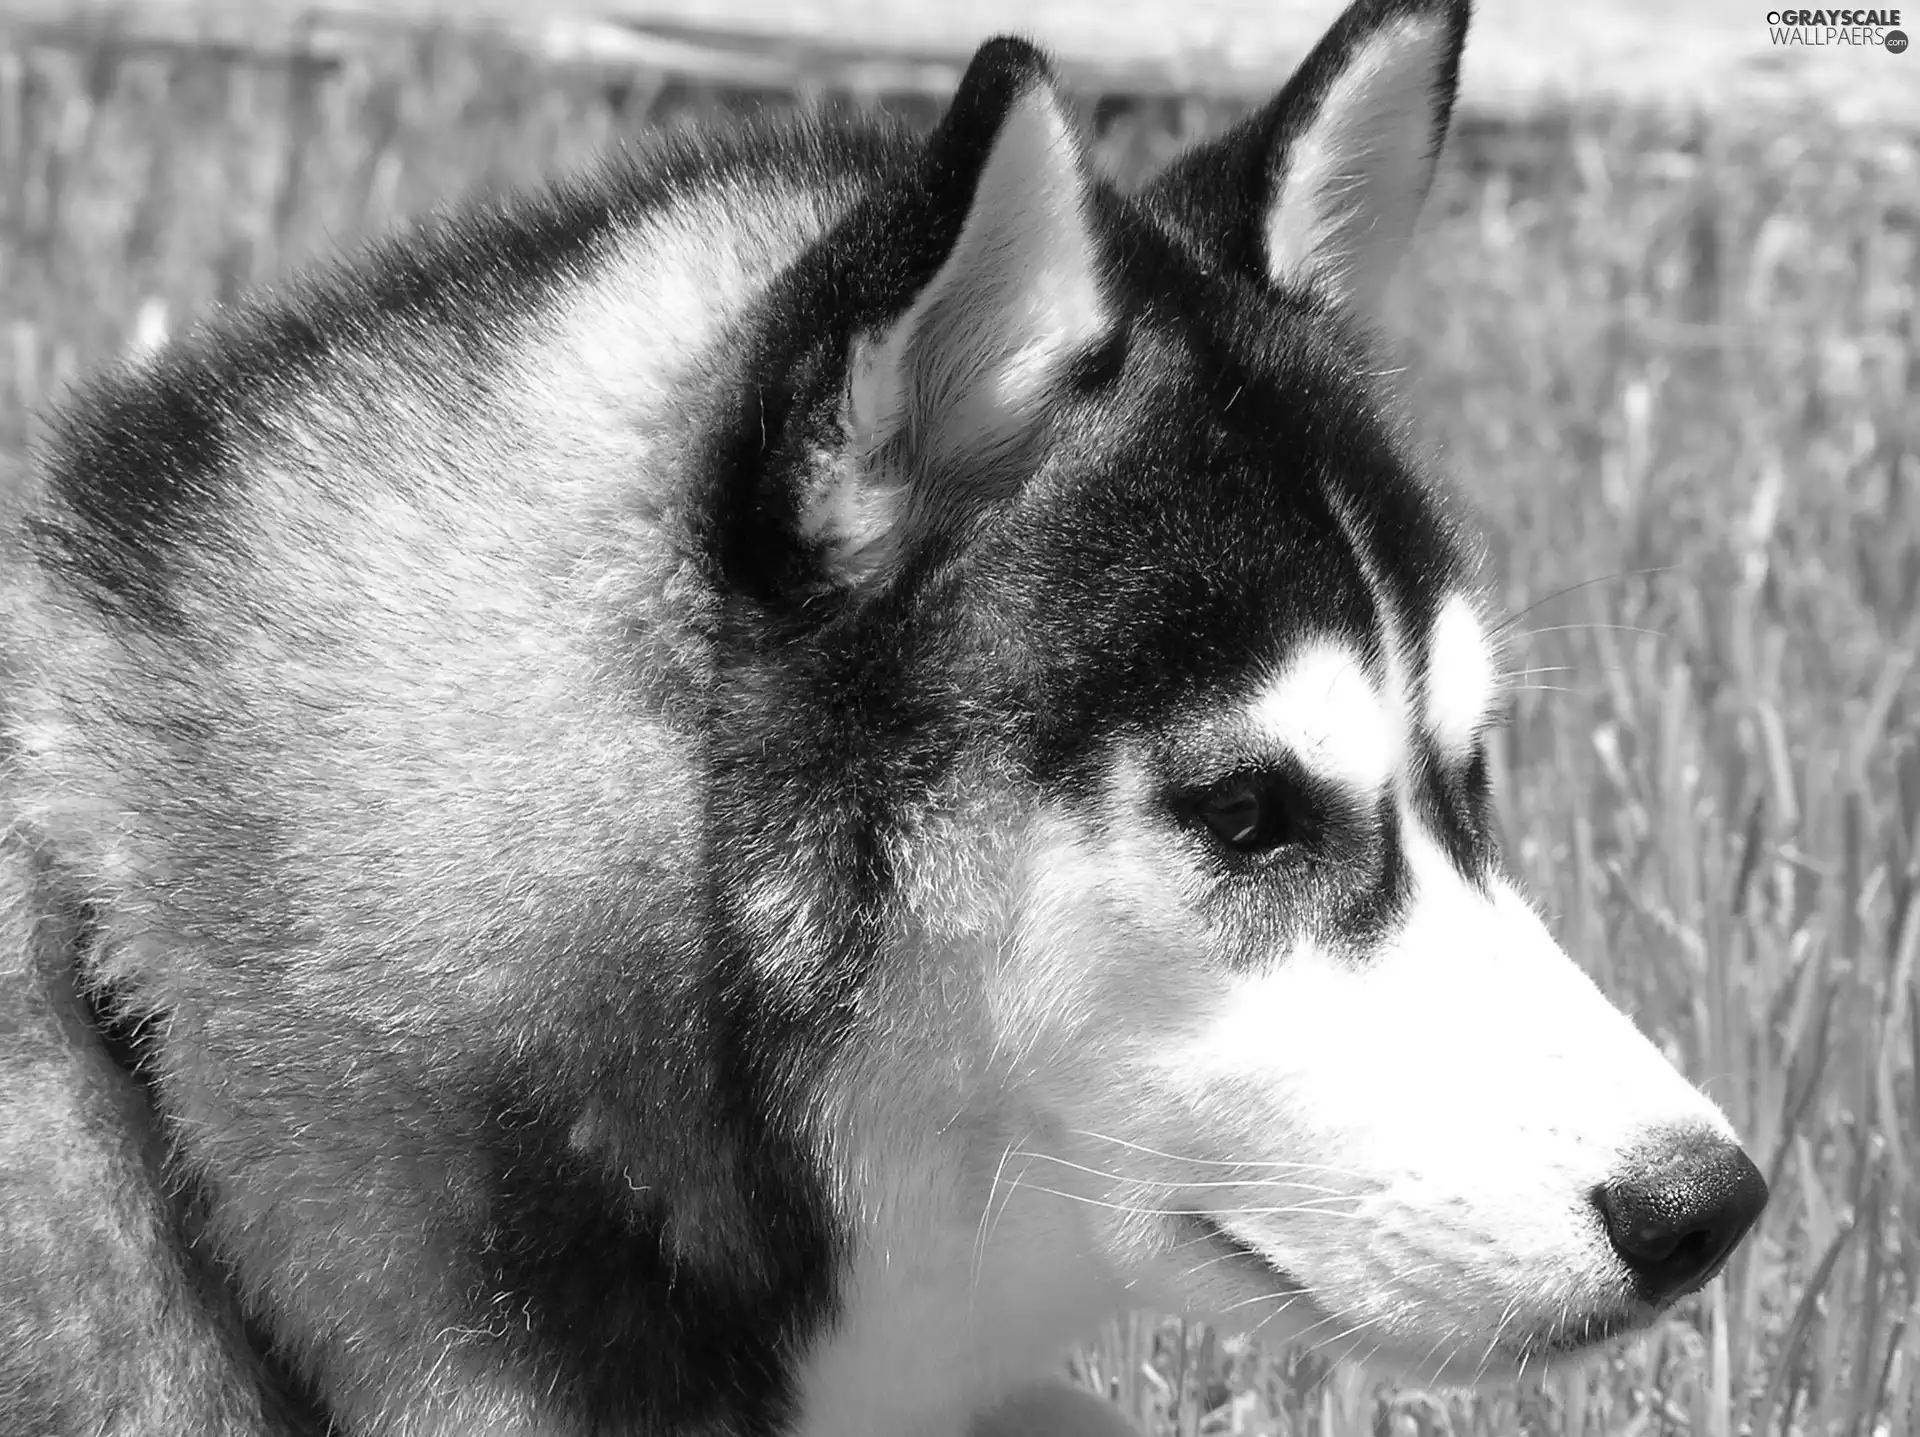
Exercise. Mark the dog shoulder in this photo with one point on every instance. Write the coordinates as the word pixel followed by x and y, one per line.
pixel 95 1250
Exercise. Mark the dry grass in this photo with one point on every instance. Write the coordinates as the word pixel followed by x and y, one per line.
pixel 1678 367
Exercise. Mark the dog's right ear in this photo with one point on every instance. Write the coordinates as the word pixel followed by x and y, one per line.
pixel 943 398
pixel 1318 191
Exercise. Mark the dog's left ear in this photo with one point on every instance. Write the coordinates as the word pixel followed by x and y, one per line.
pixel 1319 190
pixel 944 400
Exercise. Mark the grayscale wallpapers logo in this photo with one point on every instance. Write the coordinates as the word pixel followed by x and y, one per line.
pixel 1869 28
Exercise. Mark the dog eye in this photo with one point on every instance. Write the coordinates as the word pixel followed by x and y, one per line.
pixel 1255 813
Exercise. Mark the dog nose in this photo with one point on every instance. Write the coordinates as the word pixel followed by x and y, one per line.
pixel 1682 1211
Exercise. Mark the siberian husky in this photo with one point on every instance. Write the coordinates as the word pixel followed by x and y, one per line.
pixel 742 798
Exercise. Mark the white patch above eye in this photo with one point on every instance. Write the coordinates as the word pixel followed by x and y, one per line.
pixel 1462 678
pixel 1329 714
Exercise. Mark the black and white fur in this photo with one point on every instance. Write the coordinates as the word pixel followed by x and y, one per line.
pixel 742 798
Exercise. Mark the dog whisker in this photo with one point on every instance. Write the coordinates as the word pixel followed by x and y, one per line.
pixel 1133 1181
pixel 1215 1162
pixel 1283 1293
pixel 1513 676
pixel 1290 1300
pixel 1512 621
pixel 1214 1261
pixel 1493 1342
pixel 1592 626
pixel 1306 1209
pixel 1433 1353
pixel 1302 1335
pixel 988 1220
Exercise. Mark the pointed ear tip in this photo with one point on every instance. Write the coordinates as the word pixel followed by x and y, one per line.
pixel 1013 80
pixel 1455 17
pixel 1436 29
pixel 1014 61
pixel 1455 13
pixel 1449 18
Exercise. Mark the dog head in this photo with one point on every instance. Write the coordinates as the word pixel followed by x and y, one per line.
pixel 1173 679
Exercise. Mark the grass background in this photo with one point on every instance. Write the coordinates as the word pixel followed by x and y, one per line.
pixel 1675 361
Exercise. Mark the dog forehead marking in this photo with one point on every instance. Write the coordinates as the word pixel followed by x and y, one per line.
pixel 1325 708
pixel 1391 631
pixel 1462 677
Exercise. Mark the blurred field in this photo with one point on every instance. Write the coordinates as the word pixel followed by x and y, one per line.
pixel 1675 362
pixel 1520 53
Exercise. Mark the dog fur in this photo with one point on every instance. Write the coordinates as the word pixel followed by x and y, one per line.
pixel 740 798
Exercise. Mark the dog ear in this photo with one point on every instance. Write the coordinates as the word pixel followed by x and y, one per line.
pixel 944 399
pixel 1319 190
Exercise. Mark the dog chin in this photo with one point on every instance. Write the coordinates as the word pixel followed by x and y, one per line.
pixel 1282 1307
pixel 1461 1361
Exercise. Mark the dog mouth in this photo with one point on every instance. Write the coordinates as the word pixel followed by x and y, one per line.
pixel 1576 1337
pixel 1234 1253
pixel 1569 1339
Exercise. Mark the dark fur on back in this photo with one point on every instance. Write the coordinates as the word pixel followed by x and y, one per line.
pixel 139 455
